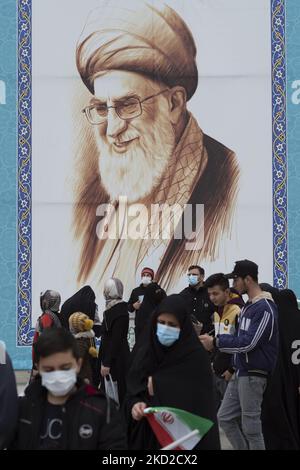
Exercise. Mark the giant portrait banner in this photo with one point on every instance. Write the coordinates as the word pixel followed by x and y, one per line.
pixel 144 134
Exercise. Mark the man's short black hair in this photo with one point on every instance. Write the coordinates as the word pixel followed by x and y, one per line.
pixel 201 270
pixel 55 340
pixel 218 279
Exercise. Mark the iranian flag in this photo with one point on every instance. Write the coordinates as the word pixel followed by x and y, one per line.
pixel 177 429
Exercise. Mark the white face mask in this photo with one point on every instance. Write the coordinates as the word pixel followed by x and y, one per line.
pixel 59 382
pixel 146 280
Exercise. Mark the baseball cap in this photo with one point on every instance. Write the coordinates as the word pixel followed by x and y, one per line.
pixel 243 268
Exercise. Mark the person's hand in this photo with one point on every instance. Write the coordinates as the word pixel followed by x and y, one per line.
pixel 137 411
pixel 207 342
pixel 198 328
pixel 105 371
pixel 150 387
pixel 227 375
pixel 136 305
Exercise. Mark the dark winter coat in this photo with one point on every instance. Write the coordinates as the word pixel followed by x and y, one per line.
pixel 87 409
pixel 199 305
pixel 114 350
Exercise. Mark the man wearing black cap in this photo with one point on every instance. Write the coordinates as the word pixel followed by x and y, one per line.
pixel 255 352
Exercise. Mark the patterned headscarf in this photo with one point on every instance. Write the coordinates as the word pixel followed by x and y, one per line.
pixel 113 292
pixel 50 300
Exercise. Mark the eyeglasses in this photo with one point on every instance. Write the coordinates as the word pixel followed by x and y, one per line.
pixel 128 109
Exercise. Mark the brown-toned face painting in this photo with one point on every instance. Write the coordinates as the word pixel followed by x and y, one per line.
pixel 151 188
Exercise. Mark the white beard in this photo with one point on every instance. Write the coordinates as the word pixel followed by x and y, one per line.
pixel 136 173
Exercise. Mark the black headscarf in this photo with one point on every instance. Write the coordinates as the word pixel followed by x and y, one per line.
pixel 162 356
pixel 272 290
pixel 83 301
pixel 281 405
pixel 288 302
pixel 154 294
pixel 181 373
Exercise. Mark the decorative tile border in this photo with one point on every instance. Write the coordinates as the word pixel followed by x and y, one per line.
pixel 280 272
pixel 280 269
pixel 24 330
pixel 292 35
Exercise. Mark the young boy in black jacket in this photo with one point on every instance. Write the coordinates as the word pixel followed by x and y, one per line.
pixel 59 411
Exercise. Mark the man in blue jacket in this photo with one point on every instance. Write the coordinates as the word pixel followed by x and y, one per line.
pixel 255 352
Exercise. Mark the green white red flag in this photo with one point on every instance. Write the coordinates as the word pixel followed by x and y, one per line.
pixel 172 424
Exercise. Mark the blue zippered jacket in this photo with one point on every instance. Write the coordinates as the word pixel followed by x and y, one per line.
pixel 256 343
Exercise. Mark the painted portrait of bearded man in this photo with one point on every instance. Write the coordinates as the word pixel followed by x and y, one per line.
pixel 143 148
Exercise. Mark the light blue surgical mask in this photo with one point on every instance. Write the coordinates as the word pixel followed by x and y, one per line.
pixel 193 279
pixel 167 335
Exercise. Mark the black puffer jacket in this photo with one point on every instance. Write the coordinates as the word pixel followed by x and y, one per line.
pixel 86 408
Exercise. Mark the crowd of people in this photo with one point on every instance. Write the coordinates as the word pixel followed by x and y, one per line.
pixel 206 350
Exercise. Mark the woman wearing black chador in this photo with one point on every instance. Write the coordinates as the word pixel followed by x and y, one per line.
pixel 171 369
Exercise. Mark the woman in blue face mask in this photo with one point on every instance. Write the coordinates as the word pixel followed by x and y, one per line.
pixel 167 329
pixel 172 369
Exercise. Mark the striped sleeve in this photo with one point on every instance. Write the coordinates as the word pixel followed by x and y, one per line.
pixel 260 330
